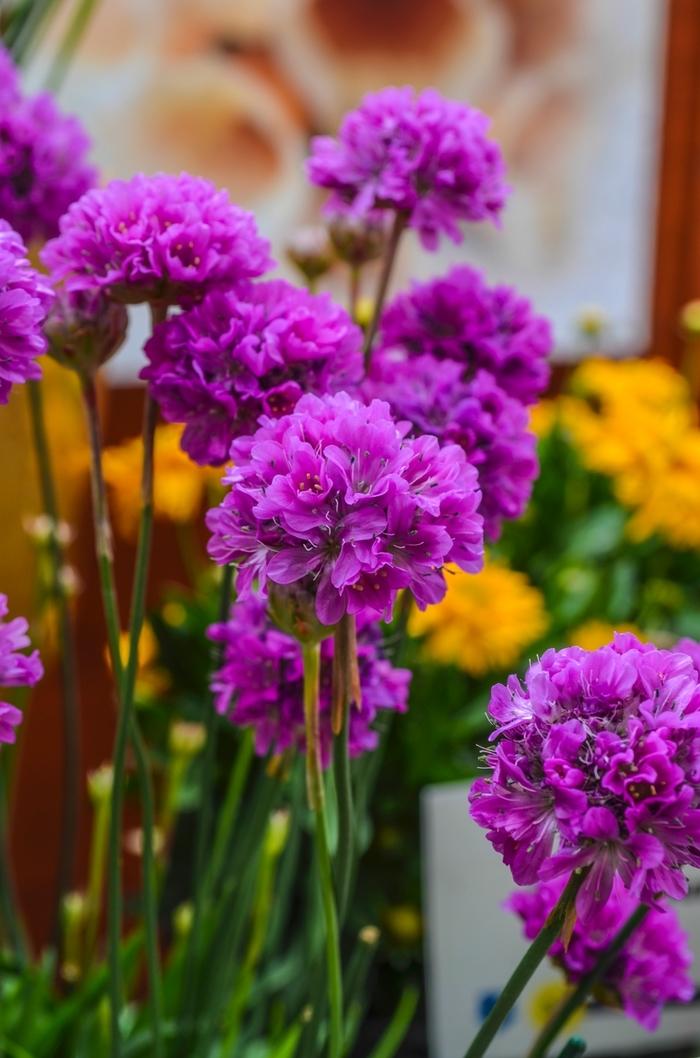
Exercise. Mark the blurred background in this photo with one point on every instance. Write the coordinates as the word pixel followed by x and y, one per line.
pixel 597 107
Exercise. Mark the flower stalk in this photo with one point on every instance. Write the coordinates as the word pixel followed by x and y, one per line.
pixel 561 1016
pixel 317 800
pixel 400 221
pixel 554 927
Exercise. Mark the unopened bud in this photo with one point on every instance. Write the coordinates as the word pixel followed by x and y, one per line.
pixel 182 920
pixel 310 251
pixel 591 321
pixel 187 739
pixel 369 935
pixel 133 841
pixel 43 528
pixel 277 831
pixel 99 783
pixel 357 240
pixel 690 319
pixel 85 329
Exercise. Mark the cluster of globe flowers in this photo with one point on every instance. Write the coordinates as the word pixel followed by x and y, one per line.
pixel 362 466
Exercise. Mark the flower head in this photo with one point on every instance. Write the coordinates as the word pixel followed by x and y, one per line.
pixel 458 317
pixel 437 397
pixel 180 487
pixel 84 329
pixel 246 352
pixel 651 970
pixel 16 669
pixel 24 302
pixel 596 764
pixel 336 496
pixel 422 155
pixel 260 683
pixel 156 238
pixel 43 165
pixel 485 622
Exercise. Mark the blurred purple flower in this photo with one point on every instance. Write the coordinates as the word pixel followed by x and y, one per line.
pixel 458 317
pixel 652 968
pixel 596 764
pixel 419 154
pixel 337 497
pixel 16 669
pixel 25 298
pixel 159 238
pixel 246 352
pixel 260 683
pixel 471 411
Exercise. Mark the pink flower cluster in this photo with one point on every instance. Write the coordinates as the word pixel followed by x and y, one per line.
pixel 336 495
pixel 596 764
pixel 16 669
pixel 25 298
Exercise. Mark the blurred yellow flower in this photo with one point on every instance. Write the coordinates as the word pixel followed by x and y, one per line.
pixel 543 417
pixel 670 505
pixel 150 680
pixel 485 620
pixel 180 485
pixel 593 634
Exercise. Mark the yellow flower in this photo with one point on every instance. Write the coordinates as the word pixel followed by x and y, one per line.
pixel 543 416
pixel 670 505
pixel 485 620
pixel 150 680
pixel 593 634
pixel 180 485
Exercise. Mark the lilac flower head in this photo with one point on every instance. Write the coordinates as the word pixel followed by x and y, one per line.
pixel 16 669
pixel 458 317
pixel 652 968
pixel 260 683
pixel 24 302
pixel 85 329
pixel 596 764
pixel 473 412
pixel 421 155
pixel 156 238
pixel 246 352
pixel 337 497
pixel 43 164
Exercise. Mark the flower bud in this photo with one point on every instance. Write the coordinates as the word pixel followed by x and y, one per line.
pixel 690 319
pixel 99 784
pixel 85 329
pixel 187 739
pixel 310 251
pixel 591 321
pixel 277 832
pixel 369 935
pixel 357 240
pixel 182 920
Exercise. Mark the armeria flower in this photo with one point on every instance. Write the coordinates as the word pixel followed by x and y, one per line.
pixel 485 622
pixel 458 317
pixel 596 764
pixel 260 683
pixel 336 496
pixel 24 302
pixel 246 352
pixel 16 669
pixel 156 238
pixel 437 397
pixel 421 155
pixel 43 158
pixel 652 968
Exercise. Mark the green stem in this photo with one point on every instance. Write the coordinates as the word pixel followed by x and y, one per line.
pixel 580 994
pixel 68 657
pixel 200 879
pixel 400 221
pixel 399 1024
pixel 8 902
pixel 312 666
pixel 125 725
pixel 229 811
pixel 354 292
pixel 345 856
pixel 526 967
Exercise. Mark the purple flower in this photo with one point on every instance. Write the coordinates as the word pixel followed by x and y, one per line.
pixel 260 682
pixel 156 238
pixel 422 155
pixel 246 352
pixel 596 764
pixel 652 968
pixel 336 496
pixel 24 302
pixel 458 317
pixel 43 165
pixel 437 397
pixel 16 669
